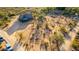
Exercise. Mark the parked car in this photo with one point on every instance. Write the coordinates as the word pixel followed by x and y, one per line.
pixel 25 17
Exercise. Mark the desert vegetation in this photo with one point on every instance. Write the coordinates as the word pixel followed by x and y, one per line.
pixel 51 29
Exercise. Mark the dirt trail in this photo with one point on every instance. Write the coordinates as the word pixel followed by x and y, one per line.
pixel 68 42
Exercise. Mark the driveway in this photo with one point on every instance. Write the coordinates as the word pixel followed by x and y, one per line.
pixel 17 25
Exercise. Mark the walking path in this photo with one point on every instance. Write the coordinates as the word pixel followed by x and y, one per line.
pixel 72 34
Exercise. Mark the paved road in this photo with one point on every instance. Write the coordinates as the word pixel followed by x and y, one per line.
pixel 17 25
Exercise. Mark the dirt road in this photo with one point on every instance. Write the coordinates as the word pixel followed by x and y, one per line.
pixel 68 42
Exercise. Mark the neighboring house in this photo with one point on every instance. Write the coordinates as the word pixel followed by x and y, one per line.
pixel 25 17
pixel 4 45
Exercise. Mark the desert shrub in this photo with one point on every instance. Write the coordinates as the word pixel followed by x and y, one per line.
pixel 47 10
pixel 71 11
pixel 60 8
pixel 57 39
pixel 75 44
pixel 1 23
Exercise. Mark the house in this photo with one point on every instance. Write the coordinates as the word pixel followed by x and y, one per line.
pixel 4 45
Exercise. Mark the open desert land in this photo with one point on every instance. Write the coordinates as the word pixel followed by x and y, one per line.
pixel 40 29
